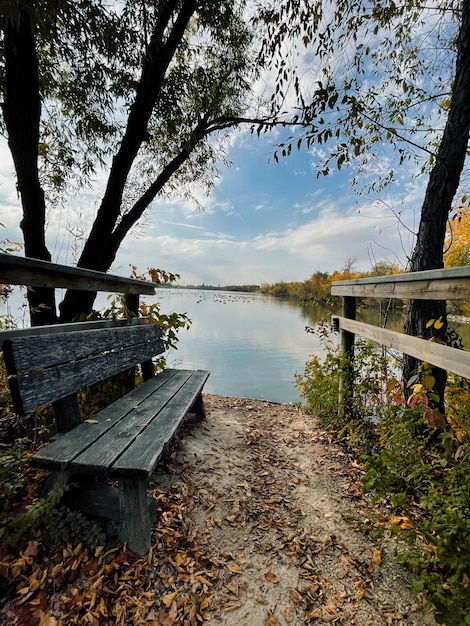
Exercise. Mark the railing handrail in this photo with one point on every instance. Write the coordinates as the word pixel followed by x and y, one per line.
pixel 15 270
pixel 409 277
pixel 440 284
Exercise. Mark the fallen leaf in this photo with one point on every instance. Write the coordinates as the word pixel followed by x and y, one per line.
pixel 403 522
pixel 294 594
pixel 377 556
pixel 289 612
pixel 169 598
pixel 91 421
pixel 271 577
pixel 271 620
pixel 234 568
pixel 47 620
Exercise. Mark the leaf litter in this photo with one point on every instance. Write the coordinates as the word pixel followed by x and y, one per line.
pixel 260 520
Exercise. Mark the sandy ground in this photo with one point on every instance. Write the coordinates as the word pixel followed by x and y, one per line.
pixel 279 512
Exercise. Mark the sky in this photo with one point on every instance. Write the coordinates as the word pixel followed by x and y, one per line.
pixel 263 222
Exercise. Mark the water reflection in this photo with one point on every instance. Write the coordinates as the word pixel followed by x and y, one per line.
pixel 252 343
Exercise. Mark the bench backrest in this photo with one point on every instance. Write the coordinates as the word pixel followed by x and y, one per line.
pixel 45 368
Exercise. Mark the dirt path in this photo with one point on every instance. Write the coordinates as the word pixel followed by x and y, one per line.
pixel 278 512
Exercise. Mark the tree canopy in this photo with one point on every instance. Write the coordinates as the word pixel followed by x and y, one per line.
pixel 136 88
pixel 371 82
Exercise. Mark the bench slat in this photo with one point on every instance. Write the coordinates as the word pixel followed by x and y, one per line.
pixel 44 386
pixel 101 456
pixel 141 458
pixel 42 351
pixel 58 454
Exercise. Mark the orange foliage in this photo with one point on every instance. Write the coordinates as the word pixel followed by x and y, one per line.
pixel 457 241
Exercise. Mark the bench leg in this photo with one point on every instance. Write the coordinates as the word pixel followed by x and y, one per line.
pixel 136 524
pixel 56 480
pixel 198 407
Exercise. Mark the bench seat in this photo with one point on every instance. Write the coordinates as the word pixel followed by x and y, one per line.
pixel 130 435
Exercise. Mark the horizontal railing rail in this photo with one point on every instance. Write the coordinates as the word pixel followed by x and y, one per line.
pixel 445 284
pixel 16 270
pixel 440 284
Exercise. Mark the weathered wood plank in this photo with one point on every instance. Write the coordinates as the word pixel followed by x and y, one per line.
pixel 445 357
pixel 104 454
pixel 38 351
pixel 66 447
pixel 43 386
pixel 440 284
pixel 25 271
pixel 136 524
pixel 56 329
pixel 141 458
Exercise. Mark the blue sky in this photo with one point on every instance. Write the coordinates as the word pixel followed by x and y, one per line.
pixel 263 222
pixel 268 221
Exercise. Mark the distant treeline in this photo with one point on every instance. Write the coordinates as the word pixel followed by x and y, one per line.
pixel 317 288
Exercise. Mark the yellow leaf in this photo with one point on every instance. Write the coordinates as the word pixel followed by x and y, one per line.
pixel 430 323
pixel 403 522
pixel 438 323
pixel 428 381
pixel 169 598
pixel 91 421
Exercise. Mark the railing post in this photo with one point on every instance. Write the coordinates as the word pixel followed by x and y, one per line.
pixel 131 300
pixel 346 382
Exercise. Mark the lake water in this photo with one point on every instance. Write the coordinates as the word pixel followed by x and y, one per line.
pixel 252 344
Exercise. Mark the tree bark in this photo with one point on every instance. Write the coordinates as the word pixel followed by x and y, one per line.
pixel 440 192
pixel 158 57
pixel 22 113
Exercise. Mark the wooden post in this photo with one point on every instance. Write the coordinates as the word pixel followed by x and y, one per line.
pixel 67 413
pixel 136 523
pixel 346 383
pixel 131 300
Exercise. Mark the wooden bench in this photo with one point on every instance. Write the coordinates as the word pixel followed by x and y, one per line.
pixel 124 441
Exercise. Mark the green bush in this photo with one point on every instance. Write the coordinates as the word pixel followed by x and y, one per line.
pixel 415 459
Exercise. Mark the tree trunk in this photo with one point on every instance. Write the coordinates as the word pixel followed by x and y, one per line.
pixel 440 192
pixel 158 57
pixel 22 112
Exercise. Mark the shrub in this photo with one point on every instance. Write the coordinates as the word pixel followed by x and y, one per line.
pixel 415 459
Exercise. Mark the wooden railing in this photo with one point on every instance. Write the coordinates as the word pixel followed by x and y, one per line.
pixel 449 284
pixel 16 270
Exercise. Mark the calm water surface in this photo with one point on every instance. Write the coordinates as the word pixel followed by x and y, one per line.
pixel 252 344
